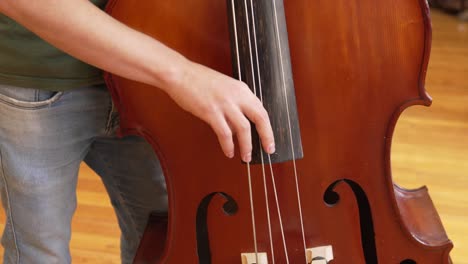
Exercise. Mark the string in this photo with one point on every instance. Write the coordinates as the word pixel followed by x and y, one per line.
pixel 290 129
pixel 248 164
pixel 269 157
pixel 265 187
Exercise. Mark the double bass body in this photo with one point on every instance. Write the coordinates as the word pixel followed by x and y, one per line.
pixel 356 65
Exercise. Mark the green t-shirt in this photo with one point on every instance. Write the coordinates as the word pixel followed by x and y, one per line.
pixel 28 61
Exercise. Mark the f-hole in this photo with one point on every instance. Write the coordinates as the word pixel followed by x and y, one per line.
pixel 408 261
pixel 332 198
pixel 230 208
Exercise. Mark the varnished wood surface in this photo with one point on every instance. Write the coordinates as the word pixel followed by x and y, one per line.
pixel 430 147
pixel 354 63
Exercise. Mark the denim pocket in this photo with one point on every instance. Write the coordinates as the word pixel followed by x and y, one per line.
pixel 27 98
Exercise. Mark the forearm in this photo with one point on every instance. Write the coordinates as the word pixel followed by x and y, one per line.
pixel 87 33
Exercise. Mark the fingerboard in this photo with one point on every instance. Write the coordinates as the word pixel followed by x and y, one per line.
pixel 261 59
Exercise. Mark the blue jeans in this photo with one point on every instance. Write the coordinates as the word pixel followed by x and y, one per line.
pixel 44 136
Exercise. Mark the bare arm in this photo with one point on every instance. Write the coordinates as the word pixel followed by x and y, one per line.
pixel 222 102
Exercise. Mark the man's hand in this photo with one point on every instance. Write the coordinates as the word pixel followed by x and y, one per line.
pixel 226 105
pixel 89 34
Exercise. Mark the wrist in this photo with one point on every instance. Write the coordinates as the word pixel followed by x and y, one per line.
pixel 174 72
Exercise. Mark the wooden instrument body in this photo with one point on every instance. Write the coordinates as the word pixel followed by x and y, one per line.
pixel 356 65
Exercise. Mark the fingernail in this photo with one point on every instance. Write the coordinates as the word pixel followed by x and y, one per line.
pixel 271 148
pixel 247 157
pixel 230 155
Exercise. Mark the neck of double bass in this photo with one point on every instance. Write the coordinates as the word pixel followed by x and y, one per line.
pixel 260 52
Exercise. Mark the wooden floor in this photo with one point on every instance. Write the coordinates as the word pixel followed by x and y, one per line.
pixel 430 147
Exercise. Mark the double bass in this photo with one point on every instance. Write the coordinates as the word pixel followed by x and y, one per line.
pixel 334 76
